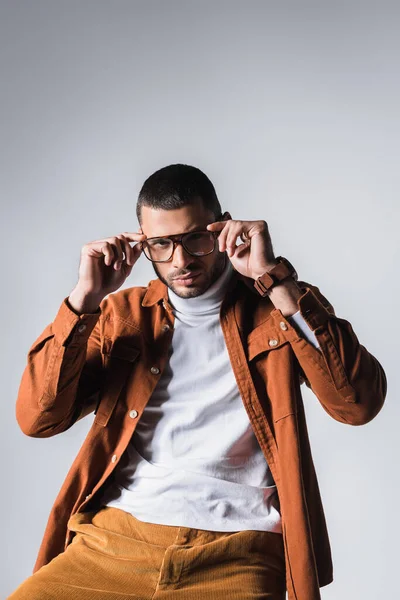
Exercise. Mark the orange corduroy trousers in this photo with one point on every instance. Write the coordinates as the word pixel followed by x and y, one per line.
pixel 114 556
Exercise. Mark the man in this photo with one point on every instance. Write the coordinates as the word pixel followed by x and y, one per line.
pixel 196 477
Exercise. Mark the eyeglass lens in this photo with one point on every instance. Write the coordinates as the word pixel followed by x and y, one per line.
pixel 196 243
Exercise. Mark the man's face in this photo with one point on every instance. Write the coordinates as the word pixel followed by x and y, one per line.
pixel 182 220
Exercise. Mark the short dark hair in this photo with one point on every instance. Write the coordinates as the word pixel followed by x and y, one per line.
pixel 178 185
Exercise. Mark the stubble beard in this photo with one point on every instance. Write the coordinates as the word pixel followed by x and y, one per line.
pixel 196 290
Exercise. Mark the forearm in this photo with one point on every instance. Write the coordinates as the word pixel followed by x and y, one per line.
pixel 347 379
pixel 82 303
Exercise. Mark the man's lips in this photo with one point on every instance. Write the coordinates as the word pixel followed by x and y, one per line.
pixel 187 276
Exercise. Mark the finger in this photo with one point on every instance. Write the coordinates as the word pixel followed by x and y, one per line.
pixel 133 236
pixel 125 268
pixel 218 225
pixel 127 249
pixel 108 252
pixel 232 236
pixel 241 249
pixel 136 251
pixel 223 235
pixel 117 243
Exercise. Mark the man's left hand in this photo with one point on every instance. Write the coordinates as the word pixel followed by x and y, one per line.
pixel 255 255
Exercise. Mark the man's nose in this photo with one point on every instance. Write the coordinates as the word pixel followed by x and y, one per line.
pixel 181 258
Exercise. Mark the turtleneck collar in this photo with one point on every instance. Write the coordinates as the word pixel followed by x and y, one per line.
pixel 207 303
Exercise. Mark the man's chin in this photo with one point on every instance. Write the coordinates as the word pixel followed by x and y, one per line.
pixel 188 291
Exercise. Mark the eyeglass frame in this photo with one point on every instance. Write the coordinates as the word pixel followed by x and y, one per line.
pixel 177 239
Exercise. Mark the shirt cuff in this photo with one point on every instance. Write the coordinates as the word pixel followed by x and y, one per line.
pixel 69 327
pixel 302 327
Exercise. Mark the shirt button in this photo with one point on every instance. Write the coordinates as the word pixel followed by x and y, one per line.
pixel 283 325
pixel 82 327
pixel 133 413
pixel 273 342
pixel 155 370
pixel 114 458
pixel 165 327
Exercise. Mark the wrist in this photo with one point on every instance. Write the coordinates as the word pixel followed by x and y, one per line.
pixel 264 269
pixel 83 302
pixel 285 296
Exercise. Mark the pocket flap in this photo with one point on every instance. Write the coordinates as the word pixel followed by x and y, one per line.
pixel 264 340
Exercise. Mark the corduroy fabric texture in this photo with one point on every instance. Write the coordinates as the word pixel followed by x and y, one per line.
pixel 115 556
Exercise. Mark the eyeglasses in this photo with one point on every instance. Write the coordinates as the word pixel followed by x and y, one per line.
pixel 196 243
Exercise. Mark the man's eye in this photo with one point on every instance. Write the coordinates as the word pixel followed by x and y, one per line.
pixel 160 243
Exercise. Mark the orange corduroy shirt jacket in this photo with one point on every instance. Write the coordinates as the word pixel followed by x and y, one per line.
pixel 106 364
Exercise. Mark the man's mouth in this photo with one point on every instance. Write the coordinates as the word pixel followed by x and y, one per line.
pixel 188 278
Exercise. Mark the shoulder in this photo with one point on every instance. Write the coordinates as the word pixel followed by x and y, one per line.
pixel 125 304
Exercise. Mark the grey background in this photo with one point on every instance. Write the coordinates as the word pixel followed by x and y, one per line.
pixel 291 109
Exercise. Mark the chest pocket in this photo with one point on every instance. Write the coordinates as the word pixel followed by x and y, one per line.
pixel 118 360
pixel 264 338
pixel 272 363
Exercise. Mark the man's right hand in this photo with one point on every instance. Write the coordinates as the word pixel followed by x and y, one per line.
pixel 104 266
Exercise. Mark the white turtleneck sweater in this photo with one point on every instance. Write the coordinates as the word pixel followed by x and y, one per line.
pixel 193 459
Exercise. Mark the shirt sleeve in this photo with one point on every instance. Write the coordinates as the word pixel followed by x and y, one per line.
pixel 62 377
pixel 302 327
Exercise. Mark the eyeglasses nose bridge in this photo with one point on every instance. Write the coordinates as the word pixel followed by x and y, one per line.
pixel 176 243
